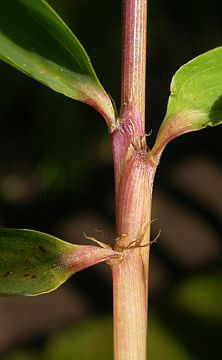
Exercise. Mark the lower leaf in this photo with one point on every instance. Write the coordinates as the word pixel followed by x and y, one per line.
pixel 33 263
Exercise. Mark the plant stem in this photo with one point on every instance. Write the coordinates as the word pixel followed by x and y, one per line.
pixel 134 29
pixel 134 172
pixel 129 308
pixel 130 276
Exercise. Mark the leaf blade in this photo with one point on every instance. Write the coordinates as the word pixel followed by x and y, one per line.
pixel 195 101
pixel 197 86
pixel 26 255
pixel 34 263
pixel 36 41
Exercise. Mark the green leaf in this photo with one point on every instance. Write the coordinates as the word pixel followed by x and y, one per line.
pixel 35 40
pixel 32 263
pixel 195 100
pixel 197 88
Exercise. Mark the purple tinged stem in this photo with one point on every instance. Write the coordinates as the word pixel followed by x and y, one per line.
pixel 134 19
pixel 134 172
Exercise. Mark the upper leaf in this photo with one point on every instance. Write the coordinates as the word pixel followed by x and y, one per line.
pixel 35 40
pixel 196 98
pixel 197 87
pixel 32 263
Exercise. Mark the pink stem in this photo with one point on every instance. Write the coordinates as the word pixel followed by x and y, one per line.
pixel 134 19
pixel 133 188
pixel 130 322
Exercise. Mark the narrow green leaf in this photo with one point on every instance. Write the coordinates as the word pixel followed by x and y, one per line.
pixel 35 40
pixel 195 100
pixel 32 263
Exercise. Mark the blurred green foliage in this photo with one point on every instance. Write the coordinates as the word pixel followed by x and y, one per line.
pixel 93 340
pixel 198 298
pixel 201 296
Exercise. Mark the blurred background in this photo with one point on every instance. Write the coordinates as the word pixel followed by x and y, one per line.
pixel 56 176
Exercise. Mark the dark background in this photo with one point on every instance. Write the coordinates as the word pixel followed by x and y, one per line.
pixel 56 176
